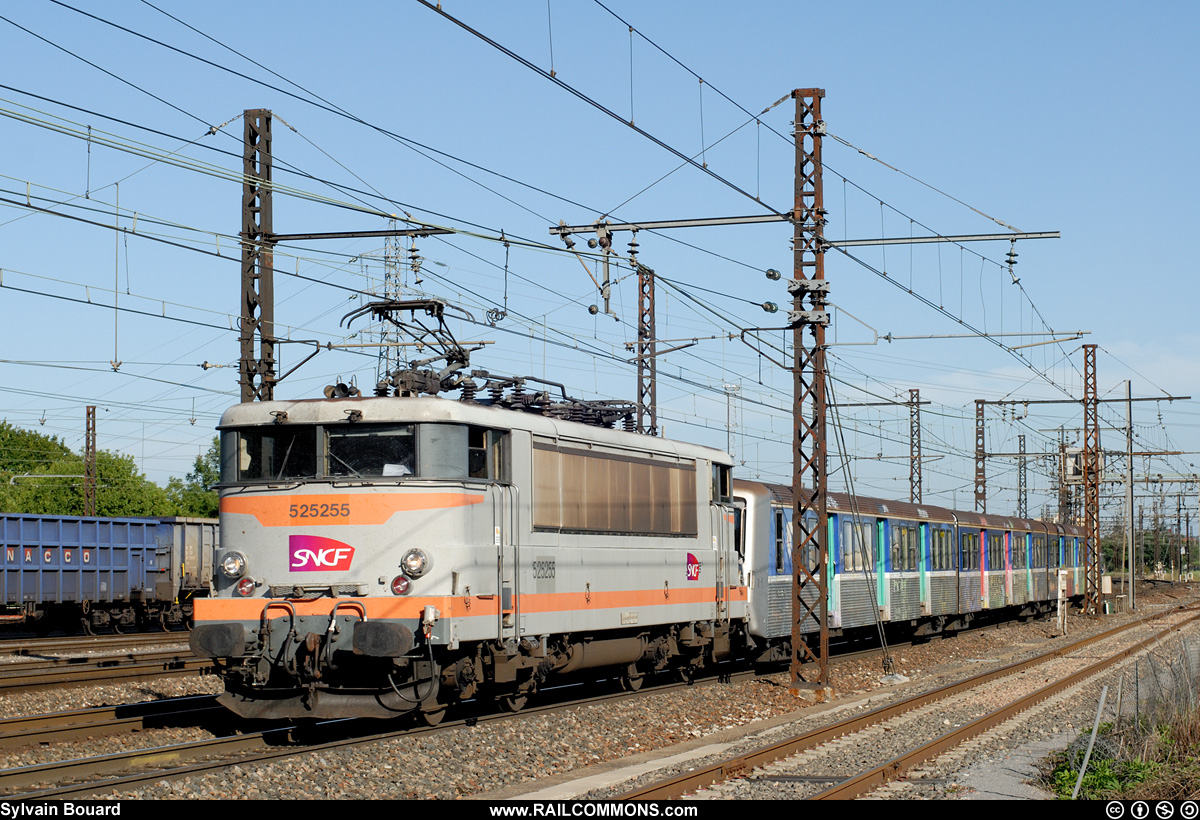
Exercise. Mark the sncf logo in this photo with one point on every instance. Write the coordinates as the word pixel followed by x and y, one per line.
pixel 312 553
pixel 693 568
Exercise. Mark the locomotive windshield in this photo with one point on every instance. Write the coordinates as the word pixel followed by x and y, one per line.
pixel 363 451
pixel 377 450
pixel 276 453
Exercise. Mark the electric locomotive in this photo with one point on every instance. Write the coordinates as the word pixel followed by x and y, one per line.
pixel 394 554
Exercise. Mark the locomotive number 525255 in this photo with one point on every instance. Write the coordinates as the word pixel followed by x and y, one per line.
pixel 318 510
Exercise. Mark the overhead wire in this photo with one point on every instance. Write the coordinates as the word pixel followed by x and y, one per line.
pixel 689 297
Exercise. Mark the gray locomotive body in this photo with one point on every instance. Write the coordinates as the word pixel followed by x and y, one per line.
pixel 389 555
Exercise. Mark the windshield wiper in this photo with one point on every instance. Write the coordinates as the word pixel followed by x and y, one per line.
pixel 344 464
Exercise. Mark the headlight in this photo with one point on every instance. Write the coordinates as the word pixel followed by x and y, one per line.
pixel 399 585
pixel 233 565
pixel 415 563
pixel 245 587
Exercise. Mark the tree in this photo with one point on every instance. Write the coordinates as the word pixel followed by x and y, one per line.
pixel 197 495
pixel 23 452
pixel 120 489
pixel 39 475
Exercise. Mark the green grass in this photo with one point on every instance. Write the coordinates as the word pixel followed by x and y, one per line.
pixel 1146 762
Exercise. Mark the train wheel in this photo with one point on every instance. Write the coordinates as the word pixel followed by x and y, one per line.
pixel 633 680
pixel 434 716
pixel 513 703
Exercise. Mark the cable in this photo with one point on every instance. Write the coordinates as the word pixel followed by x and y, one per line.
pixel 595 104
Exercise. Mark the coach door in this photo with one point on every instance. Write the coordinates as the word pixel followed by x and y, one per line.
pixel 722 516
pixel 505 527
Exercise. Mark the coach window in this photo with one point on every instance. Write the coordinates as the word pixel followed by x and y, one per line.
pixel 856 542
pixel 904 549
pixel 995 552
pixel 970 551
pixel 943 558
pixel 781 540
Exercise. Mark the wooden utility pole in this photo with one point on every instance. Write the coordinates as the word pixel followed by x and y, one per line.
pixel 810 543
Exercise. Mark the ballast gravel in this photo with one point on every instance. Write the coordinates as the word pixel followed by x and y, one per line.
pixel 598 752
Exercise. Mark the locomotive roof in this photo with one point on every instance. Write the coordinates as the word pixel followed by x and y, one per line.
pixel 406 410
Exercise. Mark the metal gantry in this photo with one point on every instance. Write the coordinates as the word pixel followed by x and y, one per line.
pixel 810 544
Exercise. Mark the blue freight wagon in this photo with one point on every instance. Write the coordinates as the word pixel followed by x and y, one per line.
pixel 64 572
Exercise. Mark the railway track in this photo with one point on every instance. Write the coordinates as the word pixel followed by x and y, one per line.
pixel 79 778
pixel 36 647
pixel 814 764
pixel 70 671
pixel 59 727
pixel 133 770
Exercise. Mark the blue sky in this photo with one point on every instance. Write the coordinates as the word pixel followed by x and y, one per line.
pixel 1068 117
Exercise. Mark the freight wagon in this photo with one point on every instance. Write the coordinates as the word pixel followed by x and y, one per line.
pixel 67 572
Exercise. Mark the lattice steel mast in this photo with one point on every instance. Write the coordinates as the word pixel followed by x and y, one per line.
pixel 257 367
pixel 810 527
pixel 89 463
pixel 1091 484
pixel 914 446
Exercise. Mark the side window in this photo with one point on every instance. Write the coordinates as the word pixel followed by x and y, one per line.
pixel 943 556
pixel 780 540
pixel 487 454
pixel 904 548
pixel 722 482
pixel 856 545
pixel 739 531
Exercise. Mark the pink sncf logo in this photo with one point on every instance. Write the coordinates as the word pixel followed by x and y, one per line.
pixel 693 568
pixel 312 553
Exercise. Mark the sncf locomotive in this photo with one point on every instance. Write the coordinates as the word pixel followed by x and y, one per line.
pixel 386 555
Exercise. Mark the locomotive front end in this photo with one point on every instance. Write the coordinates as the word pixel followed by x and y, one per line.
pixel 345 532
